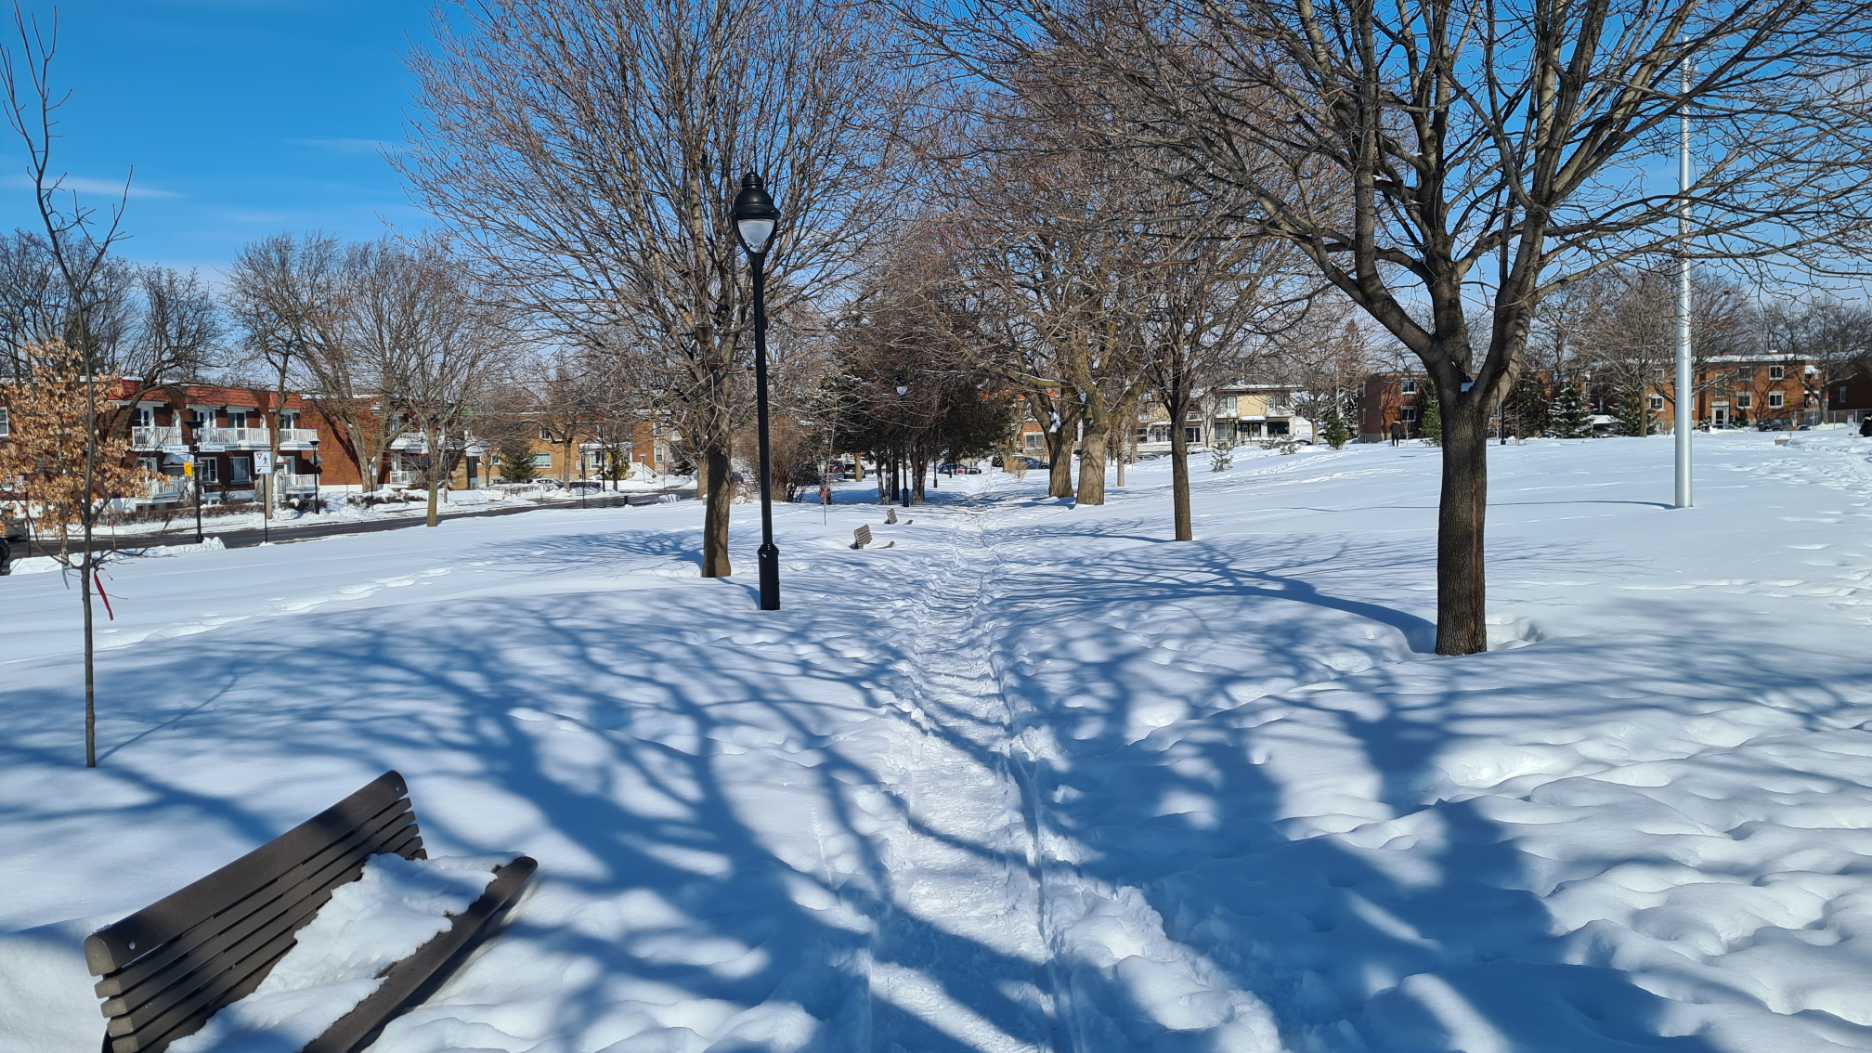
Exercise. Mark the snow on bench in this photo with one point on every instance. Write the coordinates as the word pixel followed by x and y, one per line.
pixel 300 944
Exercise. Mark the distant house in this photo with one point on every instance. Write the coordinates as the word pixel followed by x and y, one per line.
pixel 1849 399
pixel 1389 399
pixel 1735 390
pixel 1240 412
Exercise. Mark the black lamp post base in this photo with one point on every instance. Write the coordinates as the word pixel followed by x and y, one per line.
pixel 769 578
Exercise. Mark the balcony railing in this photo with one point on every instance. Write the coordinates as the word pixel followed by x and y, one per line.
pixel 239 438
pixel 399 478
pixel 410 442
pixel 297 438
pixel 297 484
pixel 170 489
pixel 153 437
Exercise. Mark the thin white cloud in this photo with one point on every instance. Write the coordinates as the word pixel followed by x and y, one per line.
pixel 88 185
pixel 350 146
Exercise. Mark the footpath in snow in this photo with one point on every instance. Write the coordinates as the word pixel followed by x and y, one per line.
pixel 1034 778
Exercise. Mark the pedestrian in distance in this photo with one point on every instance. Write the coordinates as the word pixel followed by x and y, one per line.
pixel 1397 433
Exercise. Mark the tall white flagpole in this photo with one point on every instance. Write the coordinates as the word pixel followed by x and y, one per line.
pixel 1685 423
pixel 1685 401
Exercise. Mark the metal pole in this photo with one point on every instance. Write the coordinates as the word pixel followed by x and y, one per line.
pixel 195 468
pixel 1686 397
pixel 769 555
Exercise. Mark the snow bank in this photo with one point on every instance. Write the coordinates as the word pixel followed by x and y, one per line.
pixel 46 564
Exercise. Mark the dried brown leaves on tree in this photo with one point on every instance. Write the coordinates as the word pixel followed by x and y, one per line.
pixel 43 459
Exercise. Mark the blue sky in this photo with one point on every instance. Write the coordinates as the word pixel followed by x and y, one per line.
pixel 242 118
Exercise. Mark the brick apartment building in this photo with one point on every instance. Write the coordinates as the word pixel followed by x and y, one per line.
pixel 1849 398
pixel 1387 399
pixel 1739 390
pixel 222 427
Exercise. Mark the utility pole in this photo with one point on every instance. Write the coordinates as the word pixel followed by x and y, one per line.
pixel 1686 397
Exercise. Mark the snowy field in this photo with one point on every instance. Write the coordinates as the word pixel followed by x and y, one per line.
pixel 1033 778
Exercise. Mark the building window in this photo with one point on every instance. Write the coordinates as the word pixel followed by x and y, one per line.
pixel 1409 415
pixel 208 469
pixel 1033 440
pixel 1776 400
pixel 1410 386
pixel 1193 433
pixel 1657 402
pixel 1744 400
pixel 542 460
pixel 240 470
pixel 1776 372
pixel 1226 407
pixel 6 425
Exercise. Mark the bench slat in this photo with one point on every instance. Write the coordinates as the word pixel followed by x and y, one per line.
pixel 199 977
pixel 115 946
pixel 416 977
pixel 295 896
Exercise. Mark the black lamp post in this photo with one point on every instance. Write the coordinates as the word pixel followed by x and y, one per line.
pixel 903 470
pixel 755 218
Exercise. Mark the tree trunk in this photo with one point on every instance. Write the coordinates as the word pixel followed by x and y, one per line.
pixel 90 668
pixel 919 466
pixel 1179 474
pixel 1059 464
pixel 1462 623
pixel 1123 441
pixel 435 475
pixel 718 494
pixel 1092 465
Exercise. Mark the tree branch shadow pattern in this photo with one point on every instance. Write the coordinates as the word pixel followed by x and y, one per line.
pixel 710 793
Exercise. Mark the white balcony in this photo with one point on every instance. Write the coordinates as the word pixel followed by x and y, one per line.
pixel 298 438
pixel 410 442
pixel 152 437
pixel 290 483
pixel 234 438
pixel 170 488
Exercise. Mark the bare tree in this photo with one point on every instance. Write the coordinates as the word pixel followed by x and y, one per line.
pixel 268 297
pixel 450 343
pixel 79 242
pixel 585 153
pixel 1494 152
pixel 1630 338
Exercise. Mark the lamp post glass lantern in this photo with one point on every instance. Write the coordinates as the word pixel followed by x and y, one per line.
pixel 755 218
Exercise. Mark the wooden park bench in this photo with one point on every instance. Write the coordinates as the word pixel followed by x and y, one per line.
pixel 170 966
pixel 862 537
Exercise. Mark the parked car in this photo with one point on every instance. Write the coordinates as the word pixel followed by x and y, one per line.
pixel 12 536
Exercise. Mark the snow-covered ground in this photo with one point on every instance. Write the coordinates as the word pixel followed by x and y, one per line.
pixel 1033 778
pixel 398 503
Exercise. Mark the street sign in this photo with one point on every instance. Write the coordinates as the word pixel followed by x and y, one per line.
pixel 263 462
pixel 188 468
